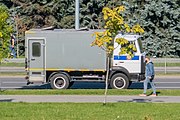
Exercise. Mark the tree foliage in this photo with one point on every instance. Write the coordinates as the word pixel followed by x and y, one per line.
pixel 5 30
pixel 159 18
pixel 114 23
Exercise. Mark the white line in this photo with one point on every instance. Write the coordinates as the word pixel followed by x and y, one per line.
pixel 169 87
pixel 168 82
pixel 13 82
pixel 9 87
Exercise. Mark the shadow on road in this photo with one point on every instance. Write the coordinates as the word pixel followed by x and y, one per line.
pixel 6 100
pixel 143 100
pixel 84 85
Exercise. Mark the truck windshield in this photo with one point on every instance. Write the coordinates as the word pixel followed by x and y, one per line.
pixel 140 45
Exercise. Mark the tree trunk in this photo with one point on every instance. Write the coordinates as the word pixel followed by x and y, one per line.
pixel 107 80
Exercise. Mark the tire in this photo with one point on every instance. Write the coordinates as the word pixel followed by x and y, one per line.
pixel 59 81
pixel 119 81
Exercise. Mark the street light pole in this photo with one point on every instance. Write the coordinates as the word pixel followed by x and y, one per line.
pixel 17 37
pixel 77 14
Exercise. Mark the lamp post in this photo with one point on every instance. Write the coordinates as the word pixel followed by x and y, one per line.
pixel 17 36
pixel 77 14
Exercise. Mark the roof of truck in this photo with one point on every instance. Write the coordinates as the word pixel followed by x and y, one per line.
pixel 129 36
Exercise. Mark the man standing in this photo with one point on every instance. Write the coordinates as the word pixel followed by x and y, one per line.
pixel 12 43
pixel 149 77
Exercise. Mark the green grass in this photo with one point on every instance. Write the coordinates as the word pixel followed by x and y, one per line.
pixel 13 74
pixel 12 64
pixel 168 64
pixel 173 92
pixel 89 111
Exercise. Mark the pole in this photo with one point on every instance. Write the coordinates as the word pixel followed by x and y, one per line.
pixel 77 14
pixel 17 38
pixel 165 66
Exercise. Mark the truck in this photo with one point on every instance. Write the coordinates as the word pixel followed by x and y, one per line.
pixel 61 57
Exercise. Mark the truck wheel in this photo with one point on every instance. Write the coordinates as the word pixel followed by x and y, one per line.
pixel 119 81
pixel 59 81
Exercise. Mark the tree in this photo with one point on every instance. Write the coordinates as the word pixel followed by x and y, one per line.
pixel 114 23
pixel 161 20
pixel 5 30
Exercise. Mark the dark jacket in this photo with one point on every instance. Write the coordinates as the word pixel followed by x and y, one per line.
pixel 149 69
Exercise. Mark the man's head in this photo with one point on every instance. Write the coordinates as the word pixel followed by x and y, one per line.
pixel 147 59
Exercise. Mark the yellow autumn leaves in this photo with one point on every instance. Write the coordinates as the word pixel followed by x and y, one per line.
pixel 137 29
pixel 114 23
pixel 1 35
pixel 3 17
pixel 103 40
pixel 112 15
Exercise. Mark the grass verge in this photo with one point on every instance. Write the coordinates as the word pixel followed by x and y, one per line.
pixel 89 111
pixel 168 64
pixel 12 64
pixel 174 92
pixel 13 74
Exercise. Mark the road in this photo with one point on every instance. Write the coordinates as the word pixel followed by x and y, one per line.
pixel 162 82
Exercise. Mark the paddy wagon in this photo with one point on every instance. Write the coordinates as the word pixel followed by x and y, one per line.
pixel 62 57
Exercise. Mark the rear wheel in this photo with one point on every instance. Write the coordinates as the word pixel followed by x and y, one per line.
pixel 119 81
pixel 59 81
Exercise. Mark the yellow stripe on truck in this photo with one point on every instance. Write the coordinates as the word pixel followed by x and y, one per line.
pixel 68 70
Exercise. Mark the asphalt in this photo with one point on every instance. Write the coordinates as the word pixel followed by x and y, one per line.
pixel 83 98
pixel 87 99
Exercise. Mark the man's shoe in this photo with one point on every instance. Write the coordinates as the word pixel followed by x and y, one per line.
pixel 142 95
pixel 153 95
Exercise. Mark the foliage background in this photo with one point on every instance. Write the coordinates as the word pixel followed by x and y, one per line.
pixel 159 18
pixel 5 30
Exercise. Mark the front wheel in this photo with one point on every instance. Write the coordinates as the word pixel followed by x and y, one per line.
pixel 119 81
pixel 59 81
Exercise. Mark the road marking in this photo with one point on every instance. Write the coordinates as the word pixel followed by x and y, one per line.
pixel 14 82
pixel 167 82
pixel 10 87
pixel 168 87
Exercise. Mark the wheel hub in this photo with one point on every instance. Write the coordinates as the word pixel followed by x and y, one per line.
pixel 59 82
pixel 119 82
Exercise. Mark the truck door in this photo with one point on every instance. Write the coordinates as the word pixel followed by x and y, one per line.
pixel 133 65
pixel 36 59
